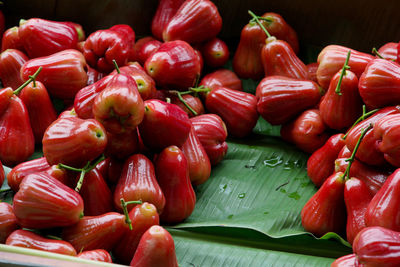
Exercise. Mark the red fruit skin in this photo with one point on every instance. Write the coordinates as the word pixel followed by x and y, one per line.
pixel 44 37
pixel 8 222
pixel 146 50
pixel 280 99
pixel 368 151
pixel 194 22
pixel 212 133
pixel 102 46
pixel 40 108
pixel 79 30
pixel 156 248
pixel 121 146
pixel 138 46
pixel 278 58
pixel 321 164
pixel 96 232
pixel 224 78
pixel 59 174
pixel 383 208
pixel 197 159
pixel 237 109
pixel 307 132
pixel 44 202
pixel 93 75
pixel 119 106
pixel 128 35
pixel 377 246
pixel 165 11
pixel 16 138
pixel 347 261
pixel 96 255
pixel 332 58
pixel 174 65
pixel 356 197
pixel 172 172
pixel 215 53
pixel 11 61
pixel 63 73
pixel 11 40
pixel 160 118
pixel 2 174
pixel 379 84
pixel 73 141
pixel 325 211
pixel 28 239
pixel 194 102
pixel 388 51
pixel 386 131
pixel 143 216
pixel 341 111
pixel 312 71
pixel 18 173
pixel 138 182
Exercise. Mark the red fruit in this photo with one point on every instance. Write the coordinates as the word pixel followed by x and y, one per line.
pixel 312 71
pixel 321 164
pixel 73 141
pixel 172 172
pixel 11 61
pixel 143 216
pixel 44 37
pixel 307 132
pixel 138 46
pixel 96 232
pixel 121 146
pixel 96 255
pixel 160 118
pixel 93 75
pixel 281 99
pixel 332 58
pixel 237 109
pixel 156 248
pixel 2 175
pixel 222 77
pixel 215 53
pixel 44 202
pixel 138 182
pixel 386 131
pixel 174 65
pixel 388 51
pixel 79 30
pixel 11 40
pixel 146 50
pixel 194 102
pixel 28 239
pixel 165 11
pixel 325 211
pixel 346 261
pixel 63 73
pixel 128 36
pixel 8 222
pixel 194 22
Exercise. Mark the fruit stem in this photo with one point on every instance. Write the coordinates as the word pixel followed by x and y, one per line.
pixel 200 89
pixel 363 117
pixel 116 66
pixel 376 53
pixel 255 17
pixel 344 68
pixel 31 78
pixel 125 209
pixel 179 94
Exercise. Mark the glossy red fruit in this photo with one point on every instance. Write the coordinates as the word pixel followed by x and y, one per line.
pixel 346 261
pixel 160 118
pixel 11 61
pixel 128 35
pixel 321 164
pixel 119 106
pixel 237 109
pixel 280 99
pixel 11 40
pixel 8 222
pixel 312 71
pixel 138 46
pixel 93 75
pixel 194 22
pixel 138 182
pixel 42 37
pixel 44 202
pixel 377 246
pixel 96 232
pixel 386 131
pixel 143 216
pixel 222 77
pixel 2 174
pixel 121 146
pixel 63 73
pixel 166 9
pixel 78 28
pixel 28 239
pixel 147 50
pixel 172 172
pixel 388 51
pixel 156 248
pixel 73 141
pixel 332 58
pixel 379 83
pixel 307 132
pixel 325 211
pixel 174 65
pixel 96 255
pixel 215 53
pixel 194 102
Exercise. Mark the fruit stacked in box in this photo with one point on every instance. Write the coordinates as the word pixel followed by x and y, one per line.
pixel 145 119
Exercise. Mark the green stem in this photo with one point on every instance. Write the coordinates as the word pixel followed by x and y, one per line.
pixel 133 202
pixel 116 66
pixel 63 166
pixel 363 117
pixel 344 68
pixel 179 95
pixel 200 89
pixel 255 17
pixel 168 100
pixel 376 53
pixel 53 237
pixel 125 209
pixel 31 78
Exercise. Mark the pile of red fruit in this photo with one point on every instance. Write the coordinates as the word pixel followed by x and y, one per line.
pixel 123 146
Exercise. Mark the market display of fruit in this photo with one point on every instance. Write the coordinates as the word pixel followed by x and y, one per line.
pixel 134 150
